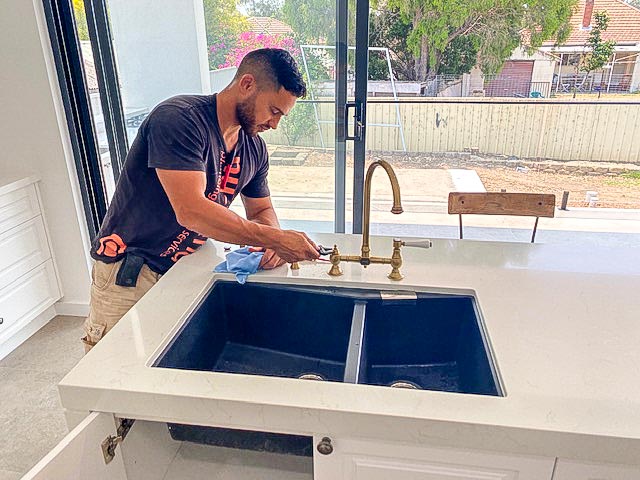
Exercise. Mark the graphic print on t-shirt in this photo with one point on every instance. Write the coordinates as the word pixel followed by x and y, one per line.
pixel 111 246
pixel 186 242
pixel 227 182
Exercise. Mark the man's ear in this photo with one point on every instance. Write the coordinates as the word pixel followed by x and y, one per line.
pixel 247 84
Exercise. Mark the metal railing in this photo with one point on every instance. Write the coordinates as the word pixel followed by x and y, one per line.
pixel 592 83
pixel 487 86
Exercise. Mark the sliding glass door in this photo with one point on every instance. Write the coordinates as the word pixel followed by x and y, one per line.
pixel 135 55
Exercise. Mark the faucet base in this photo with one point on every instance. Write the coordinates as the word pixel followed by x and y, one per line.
pixel 335 271
pixel 395 274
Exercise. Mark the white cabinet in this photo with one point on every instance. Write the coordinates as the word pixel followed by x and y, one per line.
pixel 149 453
pixel 367 460
pixel 28 280
pixel 571 470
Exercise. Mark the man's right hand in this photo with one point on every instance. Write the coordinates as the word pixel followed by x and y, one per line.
pixel 295 247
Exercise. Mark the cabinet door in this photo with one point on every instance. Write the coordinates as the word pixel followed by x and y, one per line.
pixel 570 470
pixel 17 207
pixel 360 460
pixel 79 455
pixel 25 298
pixel 22 249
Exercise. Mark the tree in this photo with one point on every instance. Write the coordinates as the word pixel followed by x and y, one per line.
pixel 314 21
pixel 263 8
pixel 300 123
pixel 388 29
pixel 598 52
pixel 493 29
pixel 223 24
pixel 81 19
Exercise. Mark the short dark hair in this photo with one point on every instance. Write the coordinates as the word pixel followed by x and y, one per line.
pixel 275 67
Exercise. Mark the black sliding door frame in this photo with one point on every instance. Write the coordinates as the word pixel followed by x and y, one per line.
pixel 360 118
pixel 65 46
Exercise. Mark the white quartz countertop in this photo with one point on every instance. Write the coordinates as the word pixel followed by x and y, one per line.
pixel 563 322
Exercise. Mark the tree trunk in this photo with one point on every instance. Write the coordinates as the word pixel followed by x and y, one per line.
pixel 422 62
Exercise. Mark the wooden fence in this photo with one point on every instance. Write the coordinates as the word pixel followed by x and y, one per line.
pixel 603 132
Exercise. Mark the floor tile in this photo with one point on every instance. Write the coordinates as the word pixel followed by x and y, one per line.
pixel 9 475
pixel 56 347
pixel 28 388
pixel 31 408
pixel 35 432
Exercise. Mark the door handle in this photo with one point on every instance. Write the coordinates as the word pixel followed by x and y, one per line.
pixel 358 124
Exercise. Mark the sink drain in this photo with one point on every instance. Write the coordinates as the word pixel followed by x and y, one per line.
pixel 311 376
pixel 404 384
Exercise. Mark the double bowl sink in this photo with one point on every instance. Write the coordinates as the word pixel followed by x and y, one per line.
pixel 405 339
pixel 413 340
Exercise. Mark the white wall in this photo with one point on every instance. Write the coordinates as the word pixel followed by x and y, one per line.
pixel 221 78
pixel 161 49
pixel 33 138
pixel 543 71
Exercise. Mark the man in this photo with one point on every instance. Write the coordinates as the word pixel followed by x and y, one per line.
pixel 192 156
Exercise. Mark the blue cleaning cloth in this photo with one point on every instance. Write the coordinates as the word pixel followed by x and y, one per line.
pixel 242 262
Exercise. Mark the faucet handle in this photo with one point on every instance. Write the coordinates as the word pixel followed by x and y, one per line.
pixel 418 243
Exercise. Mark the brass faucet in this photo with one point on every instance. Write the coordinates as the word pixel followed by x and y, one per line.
pixel 365 258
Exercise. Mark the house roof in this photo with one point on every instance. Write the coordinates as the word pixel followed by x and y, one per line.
pixel 270 26
pixel 624 23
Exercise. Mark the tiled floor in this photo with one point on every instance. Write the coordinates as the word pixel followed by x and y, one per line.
pixel 31 416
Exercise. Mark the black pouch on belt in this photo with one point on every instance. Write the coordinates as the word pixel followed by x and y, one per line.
pixel 129 270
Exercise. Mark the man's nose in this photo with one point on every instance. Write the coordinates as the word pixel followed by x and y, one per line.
pixel 273 123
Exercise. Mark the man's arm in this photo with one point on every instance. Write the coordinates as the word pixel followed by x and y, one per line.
pixel 260 210
pixel 194 211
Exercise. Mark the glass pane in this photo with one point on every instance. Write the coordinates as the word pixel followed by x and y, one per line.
pixel 195 47
pixel 519 129
pixel 94 97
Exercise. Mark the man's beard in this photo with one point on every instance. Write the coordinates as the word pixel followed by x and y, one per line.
pixel 246 113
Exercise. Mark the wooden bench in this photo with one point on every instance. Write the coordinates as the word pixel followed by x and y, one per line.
pixel 493 203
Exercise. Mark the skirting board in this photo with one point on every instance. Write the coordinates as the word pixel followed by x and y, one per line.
pixel 25 332
pixel 72 309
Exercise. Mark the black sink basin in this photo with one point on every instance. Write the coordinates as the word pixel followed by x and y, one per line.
pixel 265 330
pixel 432 343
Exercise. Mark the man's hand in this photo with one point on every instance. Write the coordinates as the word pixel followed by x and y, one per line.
pixel 295 246
pixel 290 246
pixel 270 260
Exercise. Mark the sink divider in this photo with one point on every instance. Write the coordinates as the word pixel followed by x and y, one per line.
pixel 355 350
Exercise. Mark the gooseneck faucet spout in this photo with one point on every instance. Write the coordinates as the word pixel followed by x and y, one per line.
pixel 366 212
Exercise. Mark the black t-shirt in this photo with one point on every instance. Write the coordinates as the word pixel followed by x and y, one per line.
pixel 181 133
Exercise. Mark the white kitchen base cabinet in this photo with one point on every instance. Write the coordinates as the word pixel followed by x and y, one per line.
pixel 362 460
pixel 571 470
pixel 29 285
pixel 149 453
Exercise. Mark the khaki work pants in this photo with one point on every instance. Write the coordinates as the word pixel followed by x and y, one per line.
pixel 109 302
